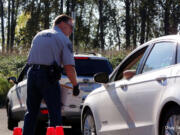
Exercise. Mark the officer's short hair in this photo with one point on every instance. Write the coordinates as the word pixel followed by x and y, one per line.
pixel 61 18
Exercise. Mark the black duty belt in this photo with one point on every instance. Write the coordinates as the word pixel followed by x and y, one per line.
pixel 38 66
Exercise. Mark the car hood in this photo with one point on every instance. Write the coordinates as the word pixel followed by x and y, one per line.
pixel 98 90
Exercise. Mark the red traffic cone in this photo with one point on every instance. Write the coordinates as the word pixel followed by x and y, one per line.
pixel 59 130
pixel 17 131
pixel 50 131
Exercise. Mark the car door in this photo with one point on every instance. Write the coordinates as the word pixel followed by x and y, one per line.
pixel 19 94
pixel 113 113
pixel 144 89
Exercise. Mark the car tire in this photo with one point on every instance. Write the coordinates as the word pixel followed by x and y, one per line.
pixel 11 122
pixel 88 125
pixel 170 125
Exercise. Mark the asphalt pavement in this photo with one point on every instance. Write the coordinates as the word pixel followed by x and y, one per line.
pixel 3 123
pixel 4 130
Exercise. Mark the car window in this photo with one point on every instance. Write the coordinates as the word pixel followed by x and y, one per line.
pixel 162 55
pixel 178 54
pixel 23 73
pixel 132 63
pixel 89 67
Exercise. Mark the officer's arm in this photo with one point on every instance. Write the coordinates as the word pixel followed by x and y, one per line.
pixel 71 73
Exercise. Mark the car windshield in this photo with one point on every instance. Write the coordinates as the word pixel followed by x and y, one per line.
pixel 89 67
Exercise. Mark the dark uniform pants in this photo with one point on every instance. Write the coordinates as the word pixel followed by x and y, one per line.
pixel 38 87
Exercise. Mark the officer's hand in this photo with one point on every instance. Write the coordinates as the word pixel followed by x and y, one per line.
pixel 76 90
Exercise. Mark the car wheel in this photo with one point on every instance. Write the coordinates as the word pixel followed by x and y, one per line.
pixel 89 127
pixel 11 122
pixel 171 123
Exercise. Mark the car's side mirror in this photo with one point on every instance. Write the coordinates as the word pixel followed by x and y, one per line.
pixel 101 77
pixel 12 80
pixel 128 74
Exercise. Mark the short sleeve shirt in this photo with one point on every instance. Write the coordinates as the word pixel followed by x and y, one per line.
pixel 49 46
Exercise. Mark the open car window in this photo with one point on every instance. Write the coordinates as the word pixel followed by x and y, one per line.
pixel 131 63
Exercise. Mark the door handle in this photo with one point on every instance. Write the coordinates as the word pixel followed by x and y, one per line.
pixel 123 86
pixel 161 78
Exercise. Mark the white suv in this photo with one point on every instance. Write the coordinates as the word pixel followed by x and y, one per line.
pixel 141 96
pixel 86 67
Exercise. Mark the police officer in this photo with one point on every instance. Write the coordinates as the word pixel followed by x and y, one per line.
pixel 49 47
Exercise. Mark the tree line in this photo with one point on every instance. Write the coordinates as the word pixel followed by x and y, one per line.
pixel 99 24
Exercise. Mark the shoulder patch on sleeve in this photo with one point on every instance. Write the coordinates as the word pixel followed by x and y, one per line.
pixel 47 35
pixel 70 47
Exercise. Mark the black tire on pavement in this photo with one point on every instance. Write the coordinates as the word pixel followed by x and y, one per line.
pixel 166 125
pixel 11 122
pixel 88 119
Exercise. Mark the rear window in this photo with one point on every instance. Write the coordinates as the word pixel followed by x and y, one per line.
pixel 89 67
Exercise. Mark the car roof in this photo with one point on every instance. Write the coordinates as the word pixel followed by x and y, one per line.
pixel 169 37
pixel 163 38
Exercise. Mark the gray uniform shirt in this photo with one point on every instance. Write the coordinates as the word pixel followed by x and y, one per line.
pixel 49 46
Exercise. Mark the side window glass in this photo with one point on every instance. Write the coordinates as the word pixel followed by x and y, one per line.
pixel 178 54
pixel 23 74
pixel 162 55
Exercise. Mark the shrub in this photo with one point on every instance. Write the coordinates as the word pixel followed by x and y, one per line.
pixel 10 65
pixel 4 87
pixel 115 57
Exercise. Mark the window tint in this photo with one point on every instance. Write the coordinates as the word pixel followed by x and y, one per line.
pixel 178 54
pixel 162 55
pixel 89 67
pixel 23 73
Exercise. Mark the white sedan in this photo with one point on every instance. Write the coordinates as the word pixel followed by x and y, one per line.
pixel 141 96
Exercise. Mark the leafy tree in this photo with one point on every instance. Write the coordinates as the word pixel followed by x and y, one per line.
pixel 8 25
pixel 99 24
pixel 2 24
pixel 115 23
pixel 20 31
pixel 134 19
pixel 127 21
pixel 170 15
